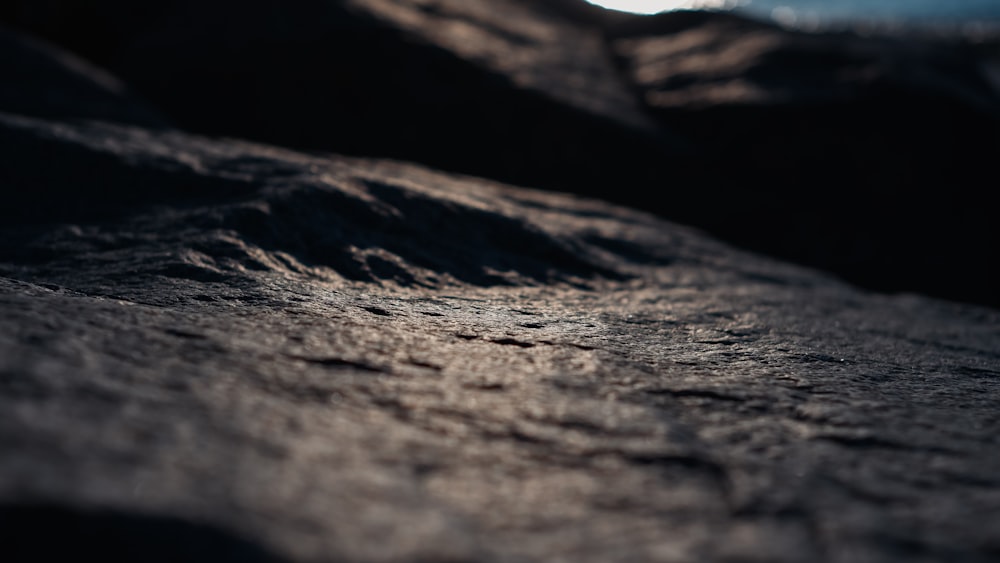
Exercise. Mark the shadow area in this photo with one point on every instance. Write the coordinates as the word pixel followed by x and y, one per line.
pixel 51 532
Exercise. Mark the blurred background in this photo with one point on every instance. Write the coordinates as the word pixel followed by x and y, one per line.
pixel 970 14
pixel 859 137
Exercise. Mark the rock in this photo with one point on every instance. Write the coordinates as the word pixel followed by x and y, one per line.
pixel 43 81
pixel 861 155
pixel 507 89
pixel 858 155
pixel 218 350
pixel 893 134
pixel 287 357
pixel 50 532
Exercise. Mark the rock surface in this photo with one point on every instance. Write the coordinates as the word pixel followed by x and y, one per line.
pixel 503 88
pixel 218 350
pixel 862 155
pixel 859 155
pixel 287 357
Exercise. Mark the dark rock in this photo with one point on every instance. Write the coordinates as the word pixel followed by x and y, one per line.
pixel 862 155
pixel 858 155
pixel 269 355
pixel 362 227
pixel 586 13
pixel 215 350
pixel 43 81
pixel 49 532
pixel 502 88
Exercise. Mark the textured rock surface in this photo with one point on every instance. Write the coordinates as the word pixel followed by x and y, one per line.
pixel 279 357
pixel 863 155
pixel 215 350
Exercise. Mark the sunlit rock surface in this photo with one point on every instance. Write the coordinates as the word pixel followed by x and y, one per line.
pixel 311 359
pixel 220 350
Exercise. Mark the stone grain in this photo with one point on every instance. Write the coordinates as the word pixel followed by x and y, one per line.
pixel 286 357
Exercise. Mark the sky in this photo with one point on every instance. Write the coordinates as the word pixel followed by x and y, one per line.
pixel 967 10
pixel 641 6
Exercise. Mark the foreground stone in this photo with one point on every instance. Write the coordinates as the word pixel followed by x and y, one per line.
pixel 227 351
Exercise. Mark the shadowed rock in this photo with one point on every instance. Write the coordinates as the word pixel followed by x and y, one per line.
pixel 861 155
pixel 43 81
pixel 858 155
pixel 507 89
pixel 49 532
pixel 295 211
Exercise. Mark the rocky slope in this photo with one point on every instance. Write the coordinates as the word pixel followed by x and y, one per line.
pixel 859 155
pixel 216 349
pixel 865 155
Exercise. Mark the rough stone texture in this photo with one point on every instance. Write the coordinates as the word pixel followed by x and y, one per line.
pixel 215 350
pixel 265 355
pixel 43 81
pixel 863 155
